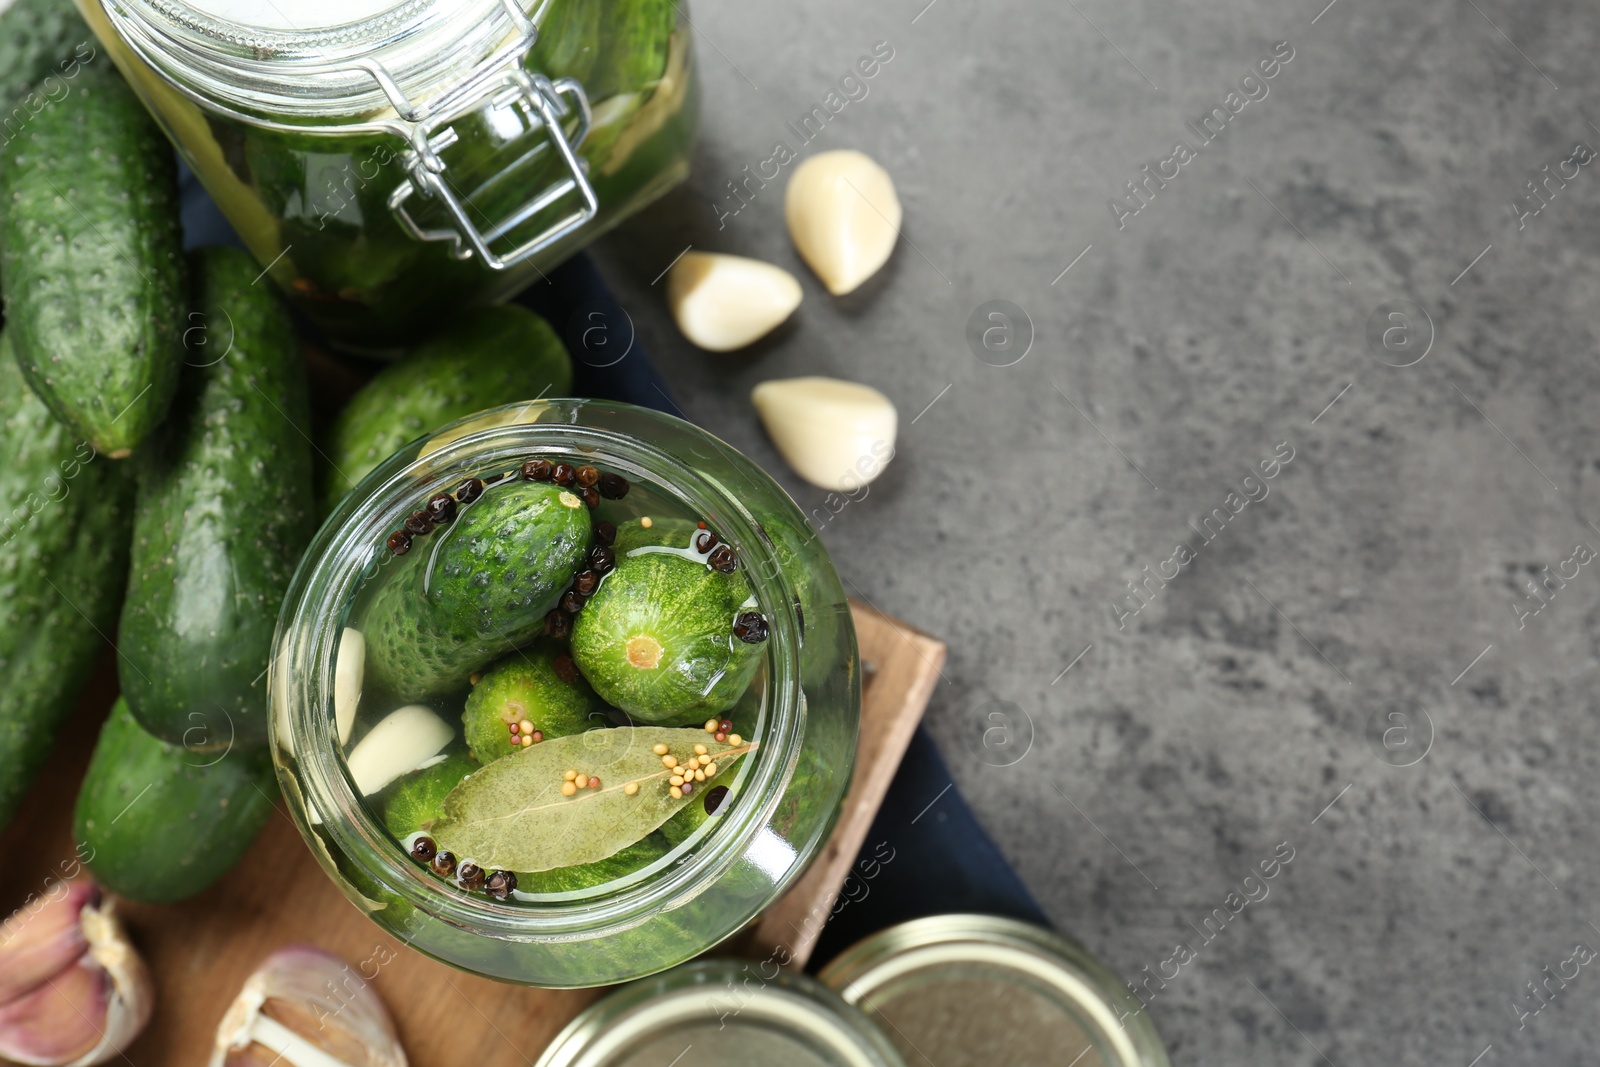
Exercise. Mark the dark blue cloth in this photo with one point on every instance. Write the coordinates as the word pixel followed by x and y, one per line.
pixel 926 853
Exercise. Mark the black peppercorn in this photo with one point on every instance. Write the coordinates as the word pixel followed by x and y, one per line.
pixel 714 798
pixel 602 560
pixel 705 541
pixel 442 508
pixel 470 875
pixel 564 474
pixel 751 627
pixel 536 470
pixel 500 884
pixel 723 560
pixel 418 524
pixel 605 534
pixel 399 542
pixel 572 601
pixel 586 583
pixel 612 486
pixel 587 476
pixel 590 497
pixel 423 849
pixel 444 864
pixel 469 490
pixel 558 624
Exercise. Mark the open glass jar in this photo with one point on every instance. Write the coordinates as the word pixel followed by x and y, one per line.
pixel 744 831
pixel 386 160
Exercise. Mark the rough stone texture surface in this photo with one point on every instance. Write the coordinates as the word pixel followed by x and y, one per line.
pixel 1270 694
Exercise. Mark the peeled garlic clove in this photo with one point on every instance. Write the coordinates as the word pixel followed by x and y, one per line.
pixel 349 669
pixel 41 940
pixel 87 1012
pixel 398 745
pixel 836 435
pixel 844 217
pixel 305 1008
pixel 725 302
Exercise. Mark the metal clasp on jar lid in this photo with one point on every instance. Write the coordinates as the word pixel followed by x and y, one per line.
pixel 501 82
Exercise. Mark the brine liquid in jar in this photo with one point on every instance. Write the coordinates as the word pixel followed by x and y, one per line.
pixel 551 680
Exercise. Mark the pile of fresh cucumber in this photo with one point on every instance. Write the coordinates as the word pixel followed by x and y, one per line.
pixel 159 485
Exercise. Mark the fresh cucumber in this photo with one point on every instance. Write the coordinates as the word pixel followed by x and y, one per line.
pixel 495 356
pixel 539 686
pixel 223 514
pixel 475 589
pixel 92 259
pixel 161 822
pixel 63 557
pixel 569 40
pixel 39 39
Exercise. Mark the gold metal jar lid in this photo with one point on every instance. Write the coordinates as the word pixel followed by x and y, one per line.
pixel 959 990
pixel 721 1013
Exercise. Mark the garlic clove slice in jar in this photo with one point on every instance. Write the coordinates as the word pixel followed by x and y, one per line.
pixel 844 217
pixel 400 744
pixel 723 302
pixel 88 1010
pixel 836 435
pixel 305 1008
pixel 349 669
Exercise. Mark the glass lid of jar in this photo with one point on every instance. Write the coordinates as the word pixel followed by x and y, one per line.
pixel 966 987
pixel 293 14
pixel 721 1013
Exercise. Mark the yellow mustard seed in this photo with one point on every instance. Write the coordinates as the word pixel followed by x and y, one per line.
pixel 570 775
pixel 526 741
pixel 711 726
pixel 699 776
pixel 677 794
pixel 676 779
pixel 567 789
pixel 631 788
pixel 700 750
pixel 581 781
pixel 711 770
pixel 647 522
pixel 669 761
pixel 735 740
pixel 660 749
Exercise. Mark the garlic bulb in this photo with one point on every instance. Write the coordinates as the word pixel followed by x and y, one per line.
pixel 403 742
pixel 723 302
pixel 844 217
pixel 836 435
pixel 73 992
pixel 305 1008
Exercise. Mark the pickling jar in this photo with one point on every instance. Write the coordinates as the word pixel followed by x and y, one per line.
pixel 388 161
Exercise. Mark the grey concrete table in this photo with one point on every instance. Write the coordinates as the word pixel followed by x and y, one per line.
pixel 1342 674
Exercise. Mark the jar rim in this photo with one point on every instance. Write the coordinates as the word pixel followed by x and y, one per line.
pixel 260 74
pixel 351 542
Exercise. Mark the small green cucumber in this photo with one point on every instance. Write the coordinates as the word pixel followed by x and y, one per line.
pixel 224 513
pixel 43 46
pixel 416 799
pixel 92 259
pixel 588 875
pixel 161 822
pixel 475 589
pixel 65 514
pixel 539 685
pixel 495 356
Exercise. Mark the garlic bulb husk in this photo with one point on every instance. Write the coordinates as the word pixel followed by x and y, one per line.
pixel 723 302
pixel 844 217
pixel 305 1008
pixel 400 744
pixel 837 435
pixel 84 1009
pixel 349 671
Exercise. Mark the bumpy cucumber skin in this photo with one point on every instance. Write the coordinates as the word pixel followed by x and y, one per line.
pixel 504 564
pixel 689 609
pixel 38 38
pixel 63 561
pixel 495 356
pixel 92 257
pixel 415 800
pixel 526 685
pixel 223 515
pixel 161 822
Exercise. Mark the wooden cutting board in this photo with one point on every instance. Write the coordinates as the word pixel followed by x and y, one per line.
pixel 201 950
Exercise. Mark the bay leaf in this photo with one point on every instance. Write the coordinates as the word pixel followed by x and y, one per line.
pixel 512 816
